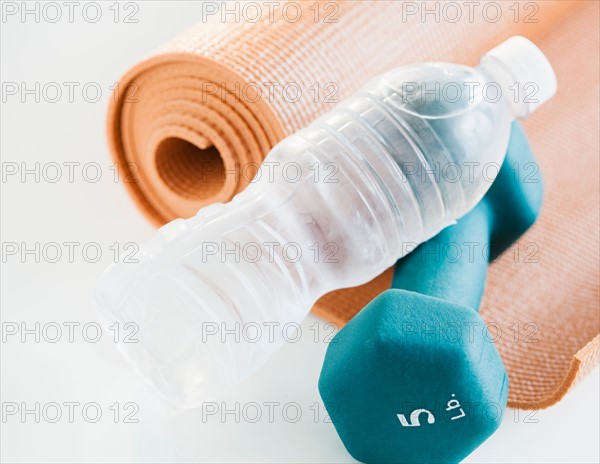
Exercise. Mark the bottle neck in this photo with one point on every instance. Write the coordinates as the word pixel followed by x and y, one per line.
pixel 514 93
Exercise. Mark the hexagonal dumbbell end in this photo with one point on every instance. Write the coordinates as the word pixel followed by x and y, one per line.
pixel 415 376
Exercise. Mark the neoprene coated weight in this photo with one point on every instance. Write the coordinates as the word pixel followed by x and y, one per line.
pixel 415 376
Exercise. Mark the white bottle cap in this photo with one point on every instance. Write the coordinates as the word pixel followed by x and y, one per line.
pixel 528 65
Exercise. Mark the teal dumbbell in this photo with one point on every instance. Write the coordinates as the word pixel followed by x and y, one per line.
pixel 415 376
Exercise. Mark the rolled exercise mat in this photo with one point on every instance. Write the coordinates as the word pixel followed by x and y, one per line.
pixel 195 119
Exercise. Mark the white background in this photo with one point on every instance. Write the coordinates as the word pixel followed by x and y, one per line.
pixel 101 212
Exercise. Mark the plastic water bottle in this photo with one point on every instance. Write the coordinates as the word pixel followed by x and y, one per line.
pixel 332 206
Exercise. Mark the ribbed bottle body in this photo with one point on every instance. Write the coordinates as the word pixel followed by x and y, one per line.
pixel 333 206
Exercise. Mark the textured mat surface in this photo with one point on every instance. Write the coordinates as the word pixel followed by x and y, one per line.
pixel 195 118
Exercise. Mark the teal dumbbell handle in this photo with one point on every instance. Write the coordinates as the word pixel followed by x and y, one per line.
pixel 452 266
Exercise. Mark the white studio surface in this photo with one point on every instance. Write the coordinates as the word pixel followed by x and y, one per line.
pixel 274 416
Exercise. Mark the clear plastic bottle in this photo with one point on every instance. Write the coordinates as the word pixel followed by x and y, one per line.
pixel 341 201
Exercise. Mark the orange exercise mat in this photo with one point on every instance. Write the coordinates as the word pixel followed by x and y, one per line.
pixel 196 114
